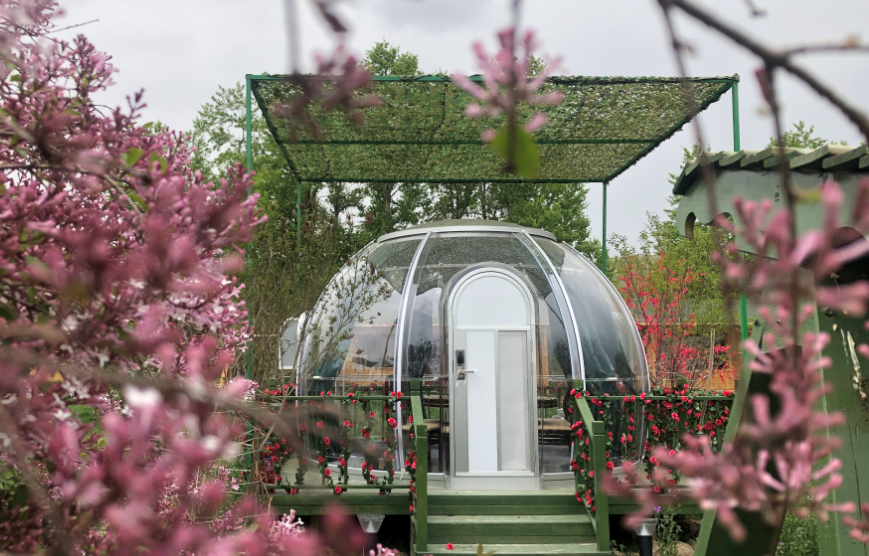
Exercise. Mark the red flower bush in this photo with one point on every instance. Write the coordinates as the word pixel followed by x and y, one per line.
pixel 657 297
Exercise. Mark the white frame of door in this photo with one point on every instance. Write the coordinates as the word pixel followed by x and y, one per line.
pixel 499 480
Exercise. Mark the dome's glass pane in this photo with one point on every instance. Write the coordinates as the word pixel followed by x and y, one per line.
pixel 443 258
pixel 446 255
pixel 352 331
pixel 611 349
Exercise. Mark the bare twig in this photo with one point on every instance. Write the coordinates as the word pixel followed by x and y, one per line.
pixel 773 59
pixel 74 26
pixel 755 11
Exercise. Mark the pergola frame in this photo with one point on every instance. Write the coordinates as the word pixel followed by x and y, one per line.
pixel 727 83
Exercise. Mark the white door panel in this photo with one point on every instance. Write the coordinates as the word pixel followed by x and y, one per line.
pixel 482 408
pixel 512 401
pixel 493 322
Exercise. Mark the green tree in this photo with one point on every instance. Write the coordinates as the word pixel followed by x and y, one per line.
pixel 285 273
pixel 559 208
pixel 661 236
pixel 454 201
pixel 535 65
pixel 219 136
pixel 802 137
pixel 385 59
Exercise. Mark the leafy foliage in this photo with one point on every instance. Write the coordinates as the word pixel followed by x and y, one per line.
pixel 656 293
pixel 385 59
pixel 662 243
pixel 799 537
pixel 802 137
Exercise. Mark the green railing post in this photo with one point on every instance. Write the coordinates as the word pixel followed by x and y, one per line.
pixel 420 451
pixel 601 500
pixel 598 439
pixel 578 385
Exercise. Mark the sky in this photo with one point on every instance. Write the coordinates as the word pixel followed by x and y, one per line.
pixel 180 51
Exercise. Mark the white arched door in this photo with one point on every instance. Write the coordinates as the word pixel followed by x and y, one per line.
pixel 492 377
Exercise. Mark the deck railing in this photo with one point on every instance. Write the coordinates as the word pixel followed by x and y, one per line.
pixel 352 415
pixel 418 469
pixel 331 429
pixel 596 433
pixel 593 439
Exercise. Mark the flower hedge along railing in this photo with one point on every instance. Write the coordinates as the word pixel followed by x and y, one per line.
pixel 330 427
pixel 633 425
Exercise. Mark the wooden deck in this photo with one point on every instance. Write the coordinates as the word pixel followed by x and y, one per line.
pixel 514 523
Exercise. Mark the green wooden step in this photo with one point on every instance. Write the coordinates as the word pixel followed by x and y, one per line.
pixel 556 502
pixel 509 529
pixel 584 549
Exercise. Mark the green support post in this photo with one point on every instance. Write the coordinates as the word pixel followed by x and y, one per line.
pixel 248 124
pixel 737 145
pixel 734 97
pixel 603 235
pixel 249 161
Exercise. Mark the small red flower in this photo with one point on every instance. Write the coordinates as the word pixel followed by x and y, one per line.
pixel 338 490
pixel 319 424
pixel 326 440
pixel 450 546
pixel 347 423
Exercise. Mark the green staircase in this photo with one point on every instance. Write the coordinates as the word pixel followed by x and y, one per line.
pixel 510 523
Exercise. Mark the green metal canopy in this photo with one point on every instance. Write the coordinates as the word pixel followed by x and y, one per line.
pixel 420 133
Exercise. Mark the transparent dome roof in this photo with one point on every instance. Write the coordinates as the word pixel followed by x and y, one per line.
pixel 384 316
pixel 392 315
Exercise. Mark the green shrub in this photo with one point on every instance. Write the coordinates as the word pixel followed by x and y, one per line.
pixel 799 537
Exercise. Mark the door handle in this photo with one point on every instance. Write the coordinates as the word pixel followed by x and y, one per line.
pixel 461 374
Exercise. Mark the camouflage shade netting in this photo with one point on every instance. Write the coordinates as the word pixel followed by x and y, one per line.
pixel 419 133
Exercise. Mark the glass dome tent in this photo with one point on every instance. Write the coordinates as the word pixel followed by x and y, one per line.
pixel 496 320
pixel 430 286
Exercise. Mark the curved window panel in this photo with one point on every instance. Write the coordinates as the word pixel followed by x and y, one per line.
pixel 353 328
pixel 611 348
pixel 446 255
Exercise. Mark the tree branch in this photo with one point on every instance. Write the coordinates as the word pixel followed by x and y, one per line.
pixel 773 59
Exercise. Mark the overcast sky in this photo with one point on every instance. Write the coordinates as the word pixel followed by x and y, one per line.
pixel 179 51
